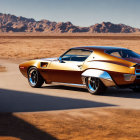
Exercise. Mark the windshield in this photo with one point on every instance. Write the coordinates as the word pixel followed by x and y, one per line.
pixel 123 53
pixel 76 55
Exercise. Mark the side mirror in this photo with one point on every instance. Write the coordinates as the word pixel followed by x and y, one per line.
pixel 60 60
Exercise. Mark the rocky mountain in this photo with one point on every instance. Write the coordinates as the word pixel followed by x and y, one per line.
pixel 11 23
pixel 108 27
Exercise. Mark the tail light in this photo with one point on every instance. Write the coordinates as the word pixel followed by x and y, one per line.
pixel 129 77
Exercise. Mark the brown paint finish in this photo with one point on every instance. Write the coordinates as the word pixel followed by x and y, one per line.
pixel 119 78
pixel 63 76
pixel 66 76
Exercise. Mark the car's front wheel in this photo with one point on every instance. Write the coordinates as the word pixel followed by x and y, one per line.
pixel 34 78
pixel 95 85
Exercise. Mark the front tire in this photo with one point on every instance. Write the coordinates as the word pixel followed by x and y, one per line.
pixel 95 85
pixel 34 78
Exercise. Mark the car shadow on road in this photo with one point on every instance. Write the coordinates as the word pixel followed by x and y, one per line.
pixel 112 91
pixel 124 93
pixel 64 87
pixel 17 128
pixel 18 101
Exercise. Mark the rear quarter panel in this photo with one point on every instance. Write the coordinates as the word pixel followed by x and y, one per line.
pixel 115 66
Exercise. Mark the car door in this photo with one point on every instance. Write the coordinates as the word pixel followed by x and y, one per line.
pixel 69 69
pixel 66 72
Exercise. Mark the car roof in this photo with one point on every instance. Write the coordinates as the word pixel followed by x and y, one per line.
pixel 99 48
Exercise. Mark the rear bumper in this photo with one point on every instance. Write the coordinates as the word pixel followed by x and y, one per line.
pixel 133 84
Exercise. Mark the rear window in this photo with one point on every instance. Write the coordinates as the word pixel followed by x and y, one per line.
pixel 122 53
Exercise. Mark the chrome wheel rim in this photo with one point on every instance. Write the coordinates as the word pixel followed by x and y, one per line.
pixel 93 84
pixel 33 77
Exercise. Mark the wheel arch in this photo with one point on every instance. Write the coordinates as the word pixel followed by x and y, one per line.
pixel 102 75
pixel 33 67
pixel 30 67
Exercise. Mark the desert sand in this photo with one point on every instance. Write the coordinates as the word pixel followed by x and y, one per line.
pixel 30 46
pixel 2 68
pixel 89 124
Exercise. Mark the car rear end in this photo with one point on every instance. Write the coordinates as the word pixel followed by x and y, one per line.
pixel 137 73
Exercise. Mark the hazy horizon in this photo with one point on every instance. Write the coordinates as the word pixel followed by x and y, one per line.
pixel 80 12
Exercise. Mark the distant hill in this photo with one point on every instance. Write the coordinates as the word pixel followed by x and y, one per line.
pixel 11 23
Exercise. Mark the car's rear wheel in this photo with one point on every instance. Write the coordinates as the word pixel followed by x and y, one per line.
pixel 34 78
pixel 95 85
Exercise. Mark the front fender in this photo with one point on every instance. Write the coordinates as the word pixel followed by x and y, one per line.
pixel 102 75
pixel 26 65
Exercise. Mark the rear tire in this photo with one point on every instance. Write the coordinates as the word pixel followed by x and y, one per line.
pixel 34 78
pixel 95 86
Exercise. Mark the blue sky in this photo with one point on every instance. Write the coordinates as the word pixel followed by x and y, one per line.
pixel 79 12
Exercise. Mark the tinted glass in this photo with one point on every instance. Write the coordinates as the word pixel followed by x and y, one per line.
pixel 123 53
pixel 76 55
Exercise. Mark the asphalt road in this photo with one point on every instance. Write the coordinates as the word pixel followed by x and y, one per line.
pixel 17 96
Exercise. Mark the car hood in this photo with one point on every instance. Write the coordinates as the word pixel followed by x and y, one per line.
pixel 134 60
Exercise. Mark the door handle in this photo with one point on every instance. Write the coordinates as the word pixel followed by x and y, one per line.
pixel 79 66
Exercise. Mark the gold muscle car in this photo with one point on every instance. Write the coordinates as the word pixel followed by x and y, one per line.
pixel 92 66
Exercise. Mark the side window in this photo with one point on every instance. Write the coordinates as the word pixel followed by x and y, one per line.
pixel 116 53
pixel 76 55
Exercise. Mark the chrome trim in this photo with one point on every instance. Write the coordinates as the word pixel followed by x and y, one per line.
pixel 70 84
pixel 102 75
pixel 84 80
pixel 48 59
pixel 108 82
pixel 93 84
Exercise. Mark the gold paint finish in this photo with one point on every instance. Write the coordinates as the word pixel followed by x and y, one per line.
pixel 70 71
